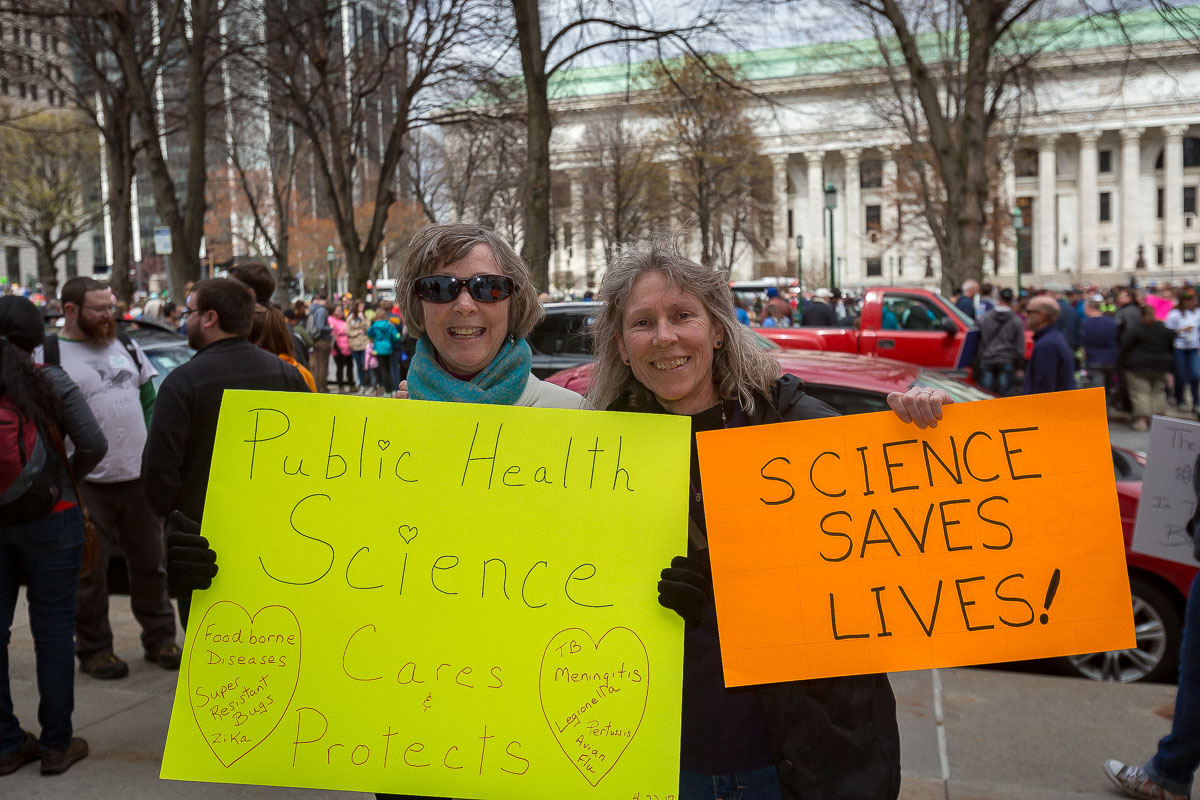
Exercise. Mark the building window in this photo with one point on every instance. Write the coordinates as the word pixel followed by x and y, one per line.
pixel 1160 203
pixel 12 263
pixel 874 218
pixel 1106 206
pixel 33 91
pixel 1106 258
pixel 72 264
pixel 29 37
pixel 1025 163
pixel 791 234
pixel 1189 199
pixel 1158 255
pixel 870 175
pixel 21 90
pixel 1189 254
pixel 1191 154
pixel 1105 159
pixel 874 267
pixel 45 42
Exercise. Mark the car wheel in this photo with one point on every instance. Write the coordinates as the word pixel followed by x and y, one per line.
pixel 1157 626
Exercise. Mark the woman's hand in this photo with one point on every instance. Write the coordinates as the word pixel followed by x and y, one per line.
pixel 191 563
pixel 402 392
pixel 686 586
pixel 920 406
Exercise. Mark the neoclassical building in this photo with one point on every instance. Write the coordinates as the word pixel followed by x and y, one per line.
pixel 1105 166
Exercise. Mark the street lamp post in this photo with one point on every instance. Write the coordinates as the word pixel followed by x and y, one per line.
pixel 830 205
pixel 329 256
pixel 1018 226
pixel 800 261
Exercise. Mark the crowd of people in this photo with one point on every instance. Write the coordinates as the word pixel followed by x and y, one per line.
pixel 668 339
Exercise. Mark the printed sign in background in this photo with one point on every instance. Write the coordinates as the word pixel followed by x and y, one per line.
pixel 860 544
pixel 436 598
pixel 1168 494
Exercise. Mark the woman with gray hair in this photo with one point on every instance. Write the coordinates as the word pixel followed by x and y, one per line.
pixel 470 300
pixel 668 341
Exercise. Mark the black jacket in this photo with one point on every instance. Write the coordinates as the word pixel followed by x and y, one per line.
pixel 831 738
pixel 1001 338
pixel 179 446
pixel 1147 349
pixel 818 315
pixel 834 738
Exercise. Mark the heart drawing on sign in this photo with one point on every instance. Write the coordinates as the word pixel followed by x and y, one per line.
pixel 242 674
pixel 593 695
pixel 407 533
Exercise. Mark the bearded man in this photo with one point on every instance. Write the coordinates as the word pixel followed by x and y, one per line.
pixel 116 379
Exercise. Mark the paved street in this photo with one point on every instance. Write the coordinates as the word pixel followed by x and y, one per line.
pixel 967 734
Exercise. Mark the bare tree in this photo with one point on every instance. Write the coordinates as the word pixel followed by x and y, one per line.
pixel 955 69
pixel 583 26
pixel 627 187
pixel 46 157
pixel 356 83
pixel 425 174
pixel 720 175
pixel 168 54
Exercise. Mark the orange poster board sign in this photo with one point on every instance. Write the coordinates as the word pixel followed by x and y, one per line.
pixel 860 544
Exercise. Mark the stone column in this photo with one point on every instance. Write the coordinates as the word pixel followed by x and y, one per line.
pixel 1009 251
pixel 1047 206
pixel 781 247
pixel 799 205
pixel 1089 200
pixel 816 247
pixel 1172 197
pixel 1130 174
pixel 576 263
pixel 889 220
pixel 854 270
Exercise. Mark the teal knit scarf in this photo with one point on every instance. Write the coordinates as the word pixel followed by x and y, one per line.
pixel 500 383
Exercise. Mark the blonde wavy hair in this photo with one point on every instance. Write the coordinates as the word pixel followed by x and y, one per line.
pixel 741 369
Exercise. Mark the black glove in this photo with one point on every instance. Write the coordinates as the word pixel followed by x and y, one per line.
pixel 191 563
pixel 686 586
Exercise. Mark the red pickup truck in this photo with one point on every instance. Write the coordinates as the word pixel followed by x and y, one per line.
pixel 913 325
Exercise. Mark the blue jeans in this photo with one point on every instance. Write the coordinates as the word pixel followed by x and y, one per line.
pixel 759 784
pixel 360 365
pixel 50 550
pixel 1178 756
pixel 996 378
pixel 1187 371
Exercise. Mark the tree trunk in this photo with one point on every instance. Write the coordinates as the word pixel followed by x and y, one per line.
pixel 536 247
pixel 187 221
pixel 119 141
pixel 47 275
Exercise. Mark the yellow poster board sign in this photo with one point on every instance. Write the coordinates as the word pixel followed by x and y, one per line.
pixel 860 544
pixel 436 599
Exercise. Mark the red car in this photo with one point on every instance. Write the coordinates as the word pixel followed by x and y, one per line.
pixel 855 384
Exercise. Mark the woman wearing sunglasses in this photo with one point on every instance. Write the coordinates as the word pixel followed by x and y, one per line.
pixel 470 301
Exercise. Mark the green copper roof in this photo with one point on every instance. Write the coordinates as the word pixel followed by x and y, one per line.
pixel 1056 35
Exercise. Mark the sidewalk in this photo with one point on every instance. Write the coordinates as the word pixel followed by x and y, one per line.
pixel 1006 735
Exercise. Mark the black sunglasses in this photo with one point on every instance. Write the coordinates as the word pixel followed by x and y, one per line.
pixel 482 288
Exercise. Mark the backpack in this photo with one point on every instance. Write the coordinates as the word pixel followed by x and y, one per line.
pixel 28 474
pixel 51 354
